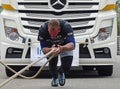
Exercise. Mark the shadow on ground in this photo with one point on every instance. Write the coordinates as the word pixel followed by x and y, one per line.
pixel 72 74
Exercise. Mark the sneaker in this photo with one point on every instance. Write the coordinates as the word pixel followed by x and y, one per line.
pixel 54 82
pixel 61 77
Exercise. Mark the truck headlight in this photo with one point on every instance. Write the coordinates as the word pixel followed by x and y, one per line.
pixel 12 33
pixel 104 33
pixel 13 36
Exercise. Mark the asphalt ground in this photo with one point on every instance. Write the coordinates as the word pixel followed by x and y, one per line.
pixel 81 80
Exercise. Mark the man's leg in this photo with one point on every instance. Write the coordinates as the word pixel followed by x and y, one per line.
pixel 53 71
pixel 65 67
pixel 53 67
pixel 66 64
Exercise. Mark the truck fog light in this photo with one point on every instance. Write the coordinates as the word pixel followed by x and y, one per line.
pixel 106 50
pixel 10 50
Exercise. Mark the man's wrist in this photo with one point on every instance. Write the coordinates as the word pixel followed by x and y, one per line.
pixel 61 48
pixel 46 50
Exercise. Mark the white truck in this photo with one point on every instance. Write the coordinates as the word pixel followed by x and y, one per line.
pixel 93 21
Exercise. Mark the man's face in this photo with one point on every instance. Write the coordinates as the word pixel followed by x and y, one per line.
pixel 53 31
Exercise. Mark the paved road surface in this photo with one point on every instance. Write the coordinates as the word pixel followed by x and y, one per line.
pixel 85 80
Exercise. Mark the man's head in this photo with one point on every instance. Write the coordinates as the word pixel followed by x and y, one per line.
pixel 53 28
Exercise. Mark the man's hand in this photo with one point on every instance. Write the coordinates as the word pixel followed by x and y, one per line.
pixel 55 49
pixel 60 47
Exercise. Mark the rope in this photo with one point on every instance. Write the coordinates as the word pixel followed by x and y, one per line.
pixel 28 66
pixel 25 77
pixel 22 70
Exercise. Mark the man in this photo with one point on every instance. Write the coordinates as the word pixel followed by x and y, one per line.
pixel 57 34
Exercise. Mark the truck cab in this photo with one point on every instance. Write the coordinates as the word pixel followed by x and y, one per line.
pixel 93 21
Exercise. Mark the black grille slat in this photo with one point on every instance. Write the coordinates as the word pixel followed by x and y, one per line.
pixel 70 3
pixel 74 28
pixel 31 27
pixel 83 3
pixel 81 28
pixel 58 13
pixel 32 3
pixel 80 20
pixel 37 20
pixel 69 20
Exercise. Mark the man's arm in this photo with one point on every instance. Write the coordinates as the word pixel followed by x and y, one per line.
pixel 70 44
pixel 45 46
pixel 46 50
pixel 67 47
pixel 70 40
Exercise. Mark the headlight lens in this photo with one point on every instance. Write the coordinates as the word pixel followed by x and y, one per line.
pixel 104 33
pixel 13 36
pixel 12 33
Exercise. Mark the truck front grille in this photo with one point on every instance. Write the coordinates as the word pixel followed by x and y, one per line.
pixel 81 14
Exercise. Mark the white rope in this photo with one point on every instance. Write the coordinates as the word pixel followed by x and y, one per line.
pixel 28 66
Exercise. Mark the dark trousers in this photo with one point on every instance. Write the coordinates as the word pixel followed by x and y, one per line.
pixel 64 68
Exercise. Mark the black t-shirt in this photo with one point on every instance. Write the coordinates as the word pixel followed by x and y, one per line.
pixel 64 36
